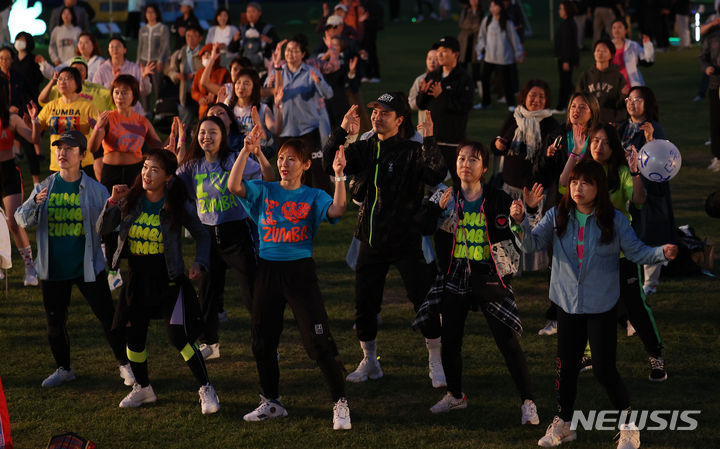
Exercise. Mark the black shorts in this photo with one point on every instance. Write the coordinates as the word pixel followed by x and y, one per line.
pixel 119 174
pixel 10 178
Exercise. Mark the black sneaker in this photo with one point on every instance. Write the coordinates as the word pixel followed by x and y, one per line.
pixel 586 364
pixel 657 369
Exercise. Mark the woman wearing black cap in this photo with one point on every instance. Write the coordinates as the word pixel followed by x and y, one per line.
pixel 65 207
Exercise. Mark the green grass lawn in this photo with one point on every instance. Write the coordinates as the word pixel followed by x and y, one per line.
pixel 393 411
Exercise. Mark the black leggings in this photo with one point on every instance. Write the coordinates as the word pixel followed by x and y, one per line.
pixel 231 245
pixel 506 76
pixel 639 313
pixel 137 338
pixel 150 294
pixel 574 330
pixel 454 315
pixel 32 157
pixel 372 268
pixel 56 299
pixel 295 283
pixel 566 86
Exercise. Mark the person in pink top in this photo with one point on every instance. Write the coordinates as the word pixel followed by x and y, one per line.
pixel 118 64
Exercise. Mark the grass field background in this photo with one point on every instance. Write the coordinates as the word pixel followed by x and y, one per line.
pixel 391 412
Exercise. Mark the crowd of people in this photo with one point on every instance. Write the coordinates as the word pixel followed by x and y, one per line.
pixel 186 136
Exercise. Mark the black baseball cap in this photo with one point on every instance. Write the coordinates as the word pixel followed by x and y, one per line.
pixel 449 42
pixel 388 102
pixel 73 137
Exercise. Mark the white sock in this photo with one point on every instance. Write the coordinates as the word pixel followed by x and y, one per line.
pixel 369 349
pixel 434 347
pixel 26 254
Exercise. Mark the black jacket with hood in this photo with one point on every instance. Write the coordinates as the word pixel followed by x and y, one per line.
pixel 394 173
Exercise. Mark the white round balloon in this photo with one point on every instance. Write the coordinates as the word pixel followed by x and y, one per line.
pixel 659 160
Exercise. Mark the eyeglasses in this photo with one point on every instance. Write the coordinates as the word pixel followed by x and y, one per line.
pixel 636 100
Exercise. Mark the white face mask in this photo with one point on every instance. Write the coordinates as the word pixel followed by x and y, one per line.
pixel 205 62
pixel 20 45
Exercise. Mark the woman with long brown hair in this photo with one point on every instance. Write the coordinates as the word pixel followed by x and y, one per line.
pixel 586 234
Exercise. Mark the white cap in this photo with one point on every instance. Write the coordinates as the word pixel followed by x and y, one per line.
pixel 334 21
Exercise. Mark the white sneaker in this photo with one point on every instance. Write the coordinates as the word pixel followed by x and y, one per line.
pixel 127 374
pixel 502 100
pixel 341 415
pixel 138 396
pixel 268 408
pixel 60 376
pixel 529 413
pixel 557 433
pixel 2 274
pixel 478 106
pixel 549 329
pixel 630 329
pixel 629 437
pixel 223 316
pixel 31 278
pixel 114 279
pixel 511 108
pixel 715 164
pixel 437 374
pixel 209 402
pixel 367 369
pixel 210 352
pixel 649 290
pixel 449 402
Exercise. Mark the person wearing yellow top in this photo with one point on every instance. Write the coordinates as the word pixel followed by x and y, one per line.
pixel 96 93
pixel 70 111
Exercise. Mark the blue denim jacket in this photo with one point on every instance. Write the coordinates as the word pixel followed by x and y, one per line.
pixel 93 197
pixel 594 287
pixel 111 217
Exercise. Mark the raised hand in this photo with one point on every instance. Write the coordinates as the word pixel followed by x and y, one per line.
pixel 632 159
pixel 426 128
pixel 252 140
pixel 351 121
pixel 257 123
pixel 222 95
pixel 277 53
pixel 517 211
pixel 148 69
pixel 445 198
pixel 32 109
pixel 41 196
pixel 435 89
pixel 119 191
pixel 648 130
pixel 103 119
pixel 339 162
pixel 533 196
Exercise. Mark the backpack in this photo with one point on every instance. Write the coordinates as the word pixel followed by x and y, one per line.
pixel 251 46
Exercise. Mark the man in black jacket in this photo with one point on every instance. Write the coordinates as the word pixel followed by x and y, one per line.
pixel 448 93
pixel 394 171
